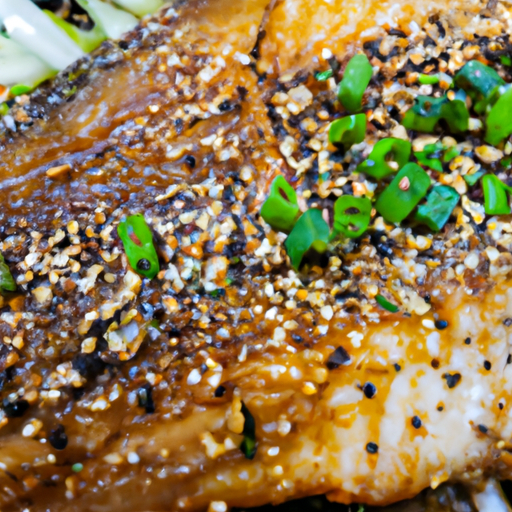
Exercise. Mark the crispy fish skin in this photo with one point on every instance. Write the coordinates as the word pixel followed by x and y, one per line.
pixel 179 122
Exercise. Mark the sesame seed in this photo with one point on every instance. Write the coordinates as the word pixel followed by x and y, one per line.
pixel 372 448
pixel 404 184
pixel 416 422
pixel 487 365
pixel 369 390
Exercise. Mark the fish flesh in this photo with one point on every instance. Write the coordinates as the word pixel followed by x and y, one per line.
pixel 120 392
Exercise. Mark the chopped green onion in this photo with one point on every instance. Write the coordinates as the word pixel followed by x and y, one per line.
pixel 471 179
pixel 383 302
pixel 322 76
pixel 356 78
pixel 77 467
pixel 140 7
pixel 451 153
pixel 88 40
pixel 499 123
pixel 138 244
pixel 281 208
pixel 495 195
pixel 439 206
pixel 506 162
pixel 18 90
pixel 386 151
pixel 429 157
pixel 348 131
pixel 352 215
pixel 506 60
pixel 7 283
pixel 428 111
pixel 406 190
pixel 428 79
pixel 310 232
pixel 114 22
pixel 248 445
pixel 479 81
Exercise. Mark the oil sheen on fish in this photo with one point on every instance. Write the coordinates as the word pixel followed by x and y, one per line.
pixel 121 393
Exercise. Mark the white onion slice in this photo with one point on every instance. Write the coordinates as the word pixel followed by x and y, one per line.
pixel 491 499
pixel 114 22
pixel 19 66
pixel 140 7
pixel 31 28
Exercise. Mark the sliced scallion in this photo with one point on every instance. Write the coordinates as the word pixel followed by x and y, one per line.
pixel 356 78
pixel 387 157
pixel 281 208
pixel 310 232
pixel 248 445
pixel 351 216
pixel 437 210
pixel 406 190
pixel 348 131
pixel 495 195
pixel 138 244
pixel 383 302
pixel 7 283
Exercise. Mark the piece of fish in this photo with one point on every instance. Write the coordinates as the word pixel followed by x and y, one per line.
pixel 187 120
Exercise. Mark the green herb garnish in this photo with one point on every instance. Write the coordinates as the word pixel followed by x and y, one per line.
pixel 7 283
pixel 281 208
pixel 138 245
pixel 428 79
pixel 479 81
pixel 356 78
pixel 351 216
pixel 471 179
pixel 322 76
pixel 437 210
pixel 383 302
pixel 310 232
pixel 428 111
pixel 348 131
pixel 248 445
pixel 495 195
pixel 406 190
pixel 385 153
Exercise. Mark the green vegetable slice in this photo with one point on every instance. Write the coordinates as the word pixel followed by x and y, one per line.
pixel 348 131
pixel 495 195
pixel 471 179
pixel 248 445
pixel 499 122
pixel 7 283
pixel 322 76
pixel 406 190
pixel 383 302
pixel 428 79
pixel 281 208
pixel 428 111
pixel 114 22
pixel 310 232
pixel 356 78
pixel 352 216
pixel 439 206
pixel 386 151
pixel 87 40
pixel 479 81
pixel 138 244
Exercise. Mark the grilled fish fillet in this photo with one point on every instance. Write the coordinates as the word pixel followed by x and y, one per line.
pixel 187 120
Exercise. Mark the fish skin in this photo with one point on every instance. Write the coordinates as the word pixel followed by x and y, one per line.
pixel 320 420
